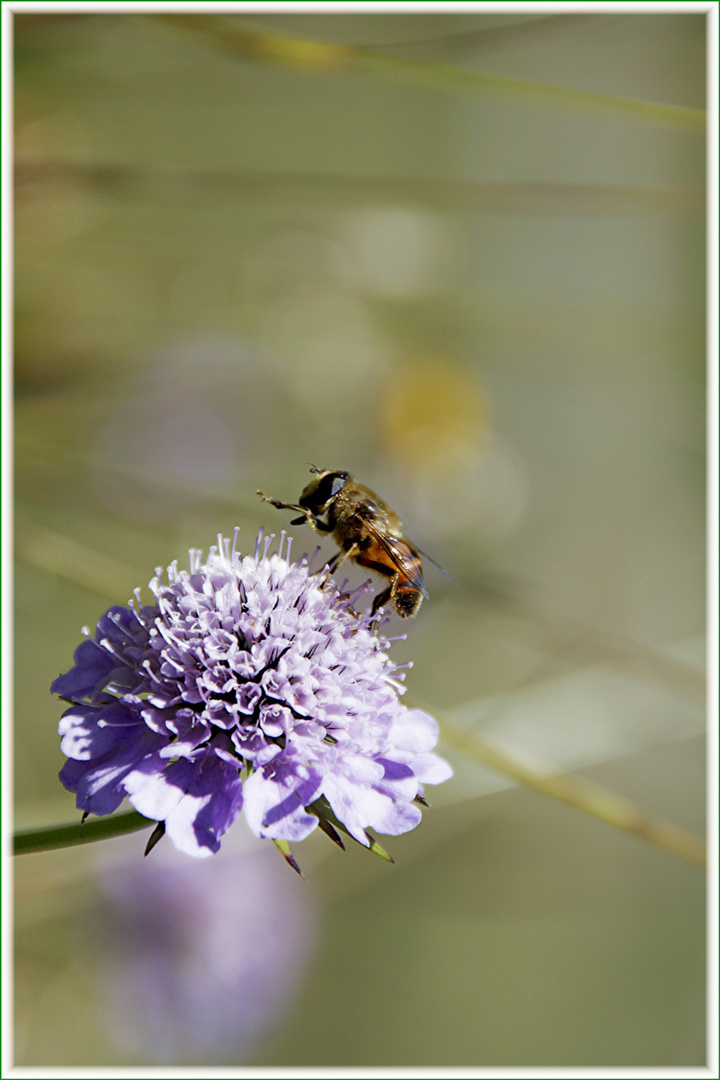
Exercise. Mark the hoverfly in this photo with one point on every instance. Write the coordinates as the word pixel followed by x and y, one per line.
pixel 367 531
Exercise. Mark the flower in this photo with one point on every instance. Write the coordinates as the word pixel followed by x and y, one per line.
pixel 251 684
pixel 199 962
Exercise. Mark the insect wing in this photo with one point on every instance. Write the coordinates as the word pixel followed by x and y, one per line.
pixel 408 568
pixel 437 566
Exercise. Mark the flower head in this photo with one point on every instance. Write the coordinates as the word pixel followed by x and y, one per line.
pixel 249 685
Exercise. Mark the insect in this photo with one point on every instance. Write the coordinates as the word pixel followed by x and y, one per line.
pixel 367 531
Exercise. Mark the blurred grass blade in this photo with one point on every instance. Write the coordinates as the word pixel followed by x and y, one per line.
pixel 330 58
pixel 582 794
pixel 73 561
pixel 29 841
pixel 181 186
pixel 582 645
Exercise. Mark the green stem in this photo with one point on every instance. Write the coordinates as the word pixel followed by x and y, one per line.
pixel 59 836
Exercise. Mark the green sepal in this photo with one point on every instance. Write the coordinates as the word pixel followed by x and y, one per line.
pixel 330 831
pixel 284 849
pixel 377 849
pixel 322 809
pixel 155 837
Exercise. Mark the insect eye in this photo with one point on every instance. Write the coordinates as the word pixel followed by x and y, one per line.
pixel 319 493
pixel 324 490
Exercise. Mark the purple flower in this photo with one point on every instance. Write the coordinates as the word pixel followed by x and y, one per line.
pixel 246 686
pixel 199 962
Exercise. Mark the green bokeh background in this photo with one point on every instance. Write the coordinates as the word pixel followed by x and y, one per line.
pixel 489 309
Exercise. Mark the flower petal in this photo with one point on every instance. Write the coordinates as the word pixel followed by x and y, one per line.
pixel 100 782
pixel 431 769
pixel 360 807
pixel 89 673
pixel 212 801
pixel 275 803
pixel 414 729
pixel 90 731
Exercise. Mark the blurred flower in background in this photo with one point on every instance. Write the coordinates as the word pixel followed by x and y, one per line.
pixel 186 426
pixel 455 471
pixel 199 960
pixel 401 253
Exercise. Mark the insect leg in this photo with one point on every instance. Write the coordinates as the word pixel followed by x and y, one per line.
pixel 337 561
pixel 381 599
pixel 332 564
pixel 308 516
pixel 283 505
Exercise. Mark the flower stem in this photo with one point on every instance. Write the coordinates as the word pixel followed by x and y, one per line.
pixel 30 841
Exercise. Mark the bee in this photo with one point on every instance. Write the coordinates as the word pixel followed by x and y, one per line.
pixel 367 531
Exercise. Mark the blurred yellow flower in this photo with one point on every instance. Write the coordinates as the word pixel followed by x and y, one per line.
pixel 435 414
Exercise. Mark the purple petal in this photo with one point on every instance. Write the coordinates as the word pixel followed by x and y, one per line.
pixel 155 788
pixel 275 804
pixel 90 731
pixel 197 799
pixel 431 769
pixel 207 809
pixel 92 667
pixel 360 808
pixel 79 777
pixel 99 783
pixel 415 730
